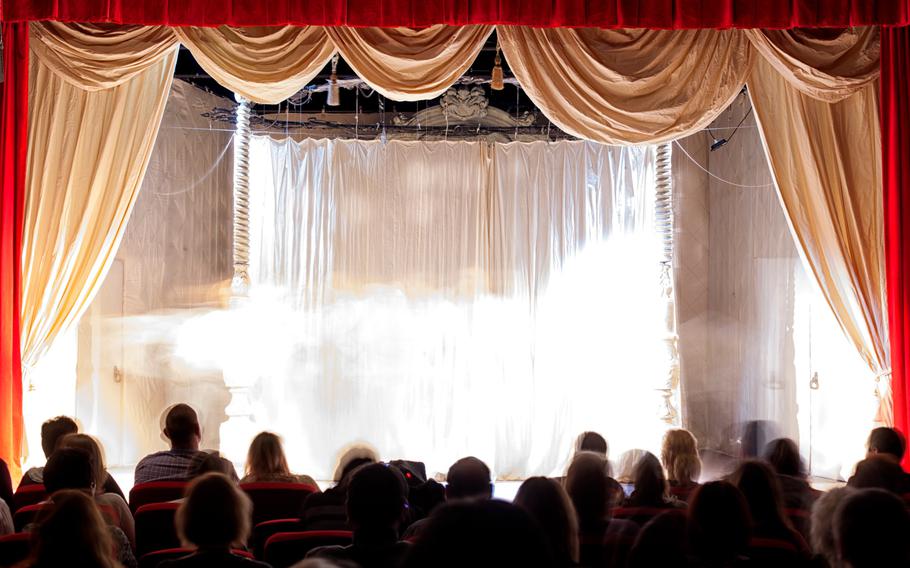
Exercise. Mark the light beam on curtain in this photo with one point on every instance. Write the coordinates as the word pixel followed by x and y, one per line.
pixel 440 299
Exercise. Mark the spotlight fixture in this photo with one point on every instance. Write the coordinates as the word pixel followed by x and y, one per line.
pixel 721 142
pixel 718 143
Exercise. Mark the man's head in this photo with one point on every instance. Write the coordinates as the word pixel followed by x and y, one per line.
pixel 69 468
pixel 886 443
pixel 871 528
pixel 181 426
pixel 54 430
pixel 591 442
pixel 468 478
pixel 377 497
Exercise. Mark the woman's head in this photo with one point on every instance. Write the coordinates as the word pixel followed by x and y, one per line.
pixel 821 532
pixel 719 523
pixel 649 480
pixel 215 513
pixel 679 455
pixel 783 455
pixel 762 491
pixel 88 444
pixel 266 456
pixel 71 528
pixel 550 505
pixel 587 486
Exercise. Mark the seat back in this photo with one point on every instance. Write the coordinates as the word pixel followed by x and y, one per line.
pixel 286 549
pixel 264 530
pixel 27 515
pixel 28 495
pixel 155 527
pixel 155 492
pixel 640 515
pixel 774 552
pixel 801 520
pixel 277 500
pixel 14 548
pixel 152 559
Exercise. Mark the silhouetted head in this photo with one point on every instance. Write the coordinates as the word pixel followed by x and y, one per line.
pixel 215 514
pixel 69 468
pixel 627 462
pixel 783 455
pixel 549 504
pixel 886 443
pixel 181 426
pixel 469 478
pixel 719 523
pixel 591 442
pixel 54 430
pixel 871 528
pixel 661 542
pixel 821 532
pixel 482 534
pixel 70 529
pixel 88 444
pixel 761 488
pixel 650 484
pixel 879 473
pixel 266 456
pixel 588 487
pixel 209 462
pixel 351 459
pixel 377 497
pixel 679 455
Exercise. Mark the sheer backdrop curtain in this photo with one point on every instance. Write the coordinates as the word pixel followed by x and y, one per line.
pixel 439 299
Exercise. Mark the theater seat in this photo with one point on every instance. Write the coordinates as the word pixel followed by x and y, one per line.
pixel 801 520
pixel 640 515
pixel 152 559
pixel 27 515
pixel 276 500
pixel 14 548
pixel 264 530
pixel 155 492
pixel 28 495
pixel 155 529
pixel 777 553
pixel 286 549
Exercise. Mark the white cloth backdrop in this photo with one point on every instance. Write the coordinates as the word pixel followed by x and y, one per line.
pixel 443 299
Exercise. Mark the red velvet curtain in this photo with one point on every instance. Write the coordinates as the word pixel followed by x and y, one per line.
pixel 418 13
pixel 13 144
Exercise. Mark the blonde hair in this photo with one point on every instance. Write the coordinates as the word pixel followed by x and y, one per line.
pixel 90 445
pixel 679 456
pixel 266 457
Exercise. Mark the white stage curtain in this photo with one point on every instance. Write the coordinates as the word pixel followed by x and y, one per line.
pixel 443 299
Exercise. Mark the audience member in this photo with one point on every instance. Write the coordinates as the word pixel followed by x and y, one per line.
pixel 205 461
pixel 467 478
pixel 484 533
pixel 376 503
pixel 214 517
pixel 679 456
pixel 783 455
pixel 549 504
pixel 327 510
pixel 651 489
pixel 821 533
pixel 90 445
pixel 592 442
pixel 6 484
pixel 884 451
pixel 6 519
pixel 627 462
pixel 759 485
pixel 265 461
pixel 661 542
pixel 52 432
pixel 73 468
pixel 181 428
pixel 71 532
pixel 719 526
pixel 871 528
pixel 602 540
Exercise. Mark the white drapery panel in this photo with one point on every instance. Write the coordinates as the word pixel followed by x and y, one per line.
pixel 439 299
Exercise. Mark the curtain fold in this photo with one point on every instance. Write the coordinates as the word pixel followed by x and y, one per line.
pixel 265 65
pixel 87 155
pixel 628 86
pixel 13 143
pixel 406 64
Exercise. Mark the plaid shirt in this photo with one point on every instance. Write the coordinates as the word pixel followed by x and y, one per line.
pixel 162 466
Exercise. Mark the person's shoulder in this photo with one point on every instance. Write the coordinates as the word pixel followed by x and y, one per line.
pixel 333 551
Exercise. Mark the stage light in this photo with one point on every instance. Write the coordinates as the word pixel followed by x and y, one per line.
pixel 334 93
pixel 718 143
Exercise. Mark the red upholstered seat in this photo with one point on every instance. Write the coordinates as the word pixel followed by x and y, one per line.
pixel 28 495
pixel 155 529
pixel 286 549
pixel 155 492
pixel 14 548
pixel 152 559
pixel 264 530
pixel 277 500
pixel 27 515
pixel 640 515
pixel 774 552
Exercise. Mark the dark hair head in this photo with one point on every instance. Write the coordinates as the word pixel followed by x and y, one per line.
pixel 878 473
pixel 871 528
pixel 69 468
pixel 887 441
pixel 549 504
pixel 377 497
pixel 54 430
pixel 719 523
pixel 588 487
pixel 482 534
pixel 93 447
pixel 783 455
pixel 591 442
pixel 204 462
pixel 468 477
pixel 650 483
pixel 661 542
pixel 181 426
pixel 215 513
pixel 761 489
pixel 71 528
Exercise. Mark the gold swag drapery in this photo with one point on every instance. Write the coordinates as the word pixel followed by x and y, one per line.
pixel 89 144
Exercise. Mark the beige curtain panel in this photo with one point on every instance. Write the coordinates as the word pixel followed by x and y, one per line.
pixel 404 64
pixel 628 86
pixel 87 154
pixel 265 65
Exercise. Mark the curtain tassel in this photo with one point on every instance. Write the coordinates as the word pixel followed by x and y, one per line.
pixel 496 82
pixel 334 98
